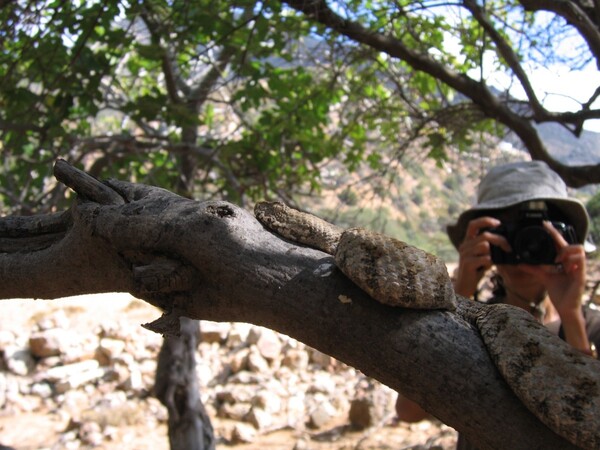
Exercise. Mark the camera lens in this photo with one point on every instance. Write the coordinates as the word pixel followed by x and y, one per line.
pixel 533 245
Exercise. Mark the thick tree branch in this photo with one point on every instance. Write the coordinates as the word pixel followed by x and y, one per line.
pixel 507 53
pixel 229 268
pixel 86 185
pixel 168 64
pixel 477 92
pixel 573 14
pixel 199 94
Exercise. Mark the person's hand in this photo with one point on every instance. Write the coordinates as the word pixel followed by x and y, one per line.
pixel 565 281
pixel 565 284
pixel 474 254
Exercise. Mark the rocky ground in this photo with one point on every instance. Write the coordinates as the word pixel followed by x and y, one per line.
pixel 78 374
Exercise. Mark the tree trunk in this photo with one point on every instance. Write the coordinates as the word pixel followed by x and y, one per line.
pixel 177 388
pixel 214 261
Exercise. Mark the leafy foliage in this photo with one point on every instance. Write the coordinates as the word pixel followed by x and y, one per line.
pixel 249 99
pixel 240 99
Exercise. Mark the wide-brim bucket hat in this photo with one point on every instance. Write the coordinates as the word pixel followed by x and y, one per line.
pixel 510 184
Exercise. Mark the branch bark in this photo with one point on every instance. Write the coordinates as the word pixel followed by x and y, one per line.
pixel 214 261
pixel 177 388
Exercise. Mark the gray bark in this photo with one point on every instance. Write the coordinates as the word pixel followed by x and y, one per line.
pixel 177 388
pixel 214 261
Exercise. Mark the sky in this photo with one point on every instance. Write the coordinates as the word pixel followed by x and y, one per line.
pixel 566 88
pixel 558 87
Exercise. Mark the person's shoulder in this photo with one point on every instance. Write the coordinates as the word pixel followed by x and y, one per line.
pixel 591 311
pixel 592 322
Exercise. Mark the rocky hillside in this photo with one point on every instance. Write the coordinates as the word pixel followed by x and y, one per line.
pixel 414 199
pixel 560 142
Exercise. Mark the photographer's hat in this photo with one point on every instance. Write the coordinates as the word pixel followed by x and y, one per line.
pixel 510 184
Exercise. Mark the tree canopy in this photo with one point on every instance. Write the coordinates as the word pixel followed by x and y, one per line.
pixel 456 46
pixel 246 99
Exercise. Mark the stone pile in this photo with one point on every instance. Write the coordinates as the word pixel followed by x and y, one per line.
pixel 253 381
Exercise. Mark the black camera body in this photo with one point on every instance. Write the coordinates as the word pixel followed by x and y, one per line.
pixel 530 241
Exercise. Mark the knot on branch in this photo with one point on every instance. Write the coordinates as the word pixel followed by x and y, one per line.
pixel 221 211
pixel 163 276
pixel 168 324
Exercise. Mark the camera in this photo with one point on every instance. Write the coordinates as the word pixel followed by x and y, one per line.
pixel 530 241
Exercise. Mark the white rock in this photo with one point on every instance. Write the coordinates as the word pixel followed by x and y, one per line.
pixel 71 376
pixel 238 335
pixel 108 349
pixel 214 331
pixel 204 373
pixel 319 358
pixel 269 345
pixel 323 383
pixel 245 377
pixel 78 379
pixel 235 411
pixel 236 394
pixel 7 338
pixel 57 319
pixel 90 433
pixel 18 360
pixel 254 334
pixel 60 372
pixel 268 401
pixel 239 361
pixel 42 390
pixel 259 418
pixel 243 433
pixel 256 362
pixel 51 342
pixel 121 330
pixel 302 444
pixel 118 373
pixel 322 414
pixel 295 359
pixel 296 410
pixel 135 382
pixel 2 390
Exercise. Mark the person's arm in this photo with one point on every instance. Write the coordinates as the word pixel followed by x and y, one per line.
pixel 565 283
pixel 573 324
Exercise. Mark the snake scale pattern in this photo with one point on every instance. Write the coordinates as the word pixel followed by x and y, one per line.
pixel 555 382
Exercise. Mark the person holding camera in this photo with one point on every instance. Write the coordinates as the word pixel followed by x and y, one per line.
pixel 526 226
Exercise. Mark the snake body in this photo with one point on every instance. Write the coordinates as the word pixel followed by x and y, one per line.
pixel 555 382
pixel 418 279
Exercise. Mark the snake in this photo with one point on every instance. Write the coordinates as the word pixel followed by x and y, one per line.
pixel 557 383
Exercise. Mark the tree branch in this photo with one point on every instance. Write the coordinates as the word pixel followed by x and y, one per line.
pixel 508 54
pixel 478 93
pixel 574 15
pixel 227 267
pixel 169 66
